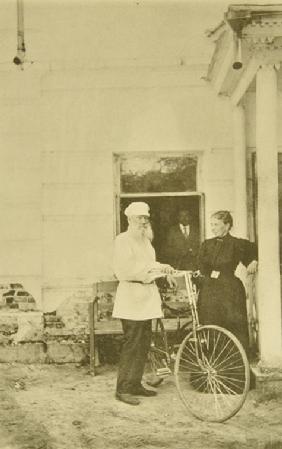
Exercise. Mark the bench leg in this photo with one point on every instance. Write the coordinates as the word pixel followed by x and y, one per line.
pixel 93 350
pixel 96 355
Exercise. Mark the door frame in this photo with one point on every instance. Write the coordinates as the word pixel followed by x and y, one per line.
pixel 119 195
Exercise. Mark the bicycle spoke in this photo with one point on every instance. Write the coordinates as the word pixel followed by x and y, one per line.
pixel 187 350
pixel 235 383
pixel 215 344
pixel 229 358
pixel 193 360
pixel 233 367
pixel 229 390
pixel 222 350
pixel 217 405
pixel 188 365
pixel 223 396
pixel 231 380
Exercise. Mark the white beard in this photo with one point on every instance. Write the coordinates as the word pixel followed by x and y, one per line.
pixel 148 233
pixel 143 231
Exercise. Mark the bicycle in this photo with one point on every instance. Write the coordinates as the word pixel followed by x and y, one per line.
pixel 211 369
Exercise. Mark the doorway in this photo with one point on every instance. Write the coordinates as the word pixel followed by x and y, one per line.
pixel 167 182
pixel 164 213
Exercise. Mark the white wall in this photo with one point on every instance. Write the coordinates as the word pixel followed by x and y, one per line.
pixel 20 181
pixel 114 80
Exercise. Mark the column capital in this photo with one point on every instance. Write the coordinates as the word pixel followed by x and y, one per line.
pixel 264 31
pixel 263 40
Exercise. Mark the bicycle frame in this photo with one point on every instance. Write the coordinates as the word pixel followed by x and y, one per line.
pixel 191 292
pixel 192 299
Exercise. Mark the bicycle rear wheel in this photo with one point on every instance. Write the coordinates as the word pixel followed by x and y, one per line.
pixel 212 373
pixel 159 358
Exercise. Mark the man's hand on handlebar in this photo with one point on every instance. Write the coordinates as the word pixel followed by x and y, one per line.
pixel 167 269
pixel 162 271
pixel 171 281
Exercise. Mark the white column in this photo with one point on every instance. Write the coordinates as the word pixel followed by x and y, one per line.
pixel 269 294
pixel 240 177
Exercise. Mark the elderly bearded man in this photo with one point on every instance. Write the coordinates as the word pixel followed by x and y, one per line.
pixel 137 299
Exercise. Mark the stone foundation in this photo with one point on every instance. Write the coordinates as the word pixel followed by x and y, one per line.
pixel 268 380
pixel 60 336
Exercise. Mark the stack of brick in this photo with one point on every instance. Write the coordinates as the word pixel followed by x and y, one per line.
pixel 61 336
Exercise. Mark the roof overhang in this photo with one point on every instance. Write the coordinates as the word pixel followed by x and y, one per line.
pixel 258 30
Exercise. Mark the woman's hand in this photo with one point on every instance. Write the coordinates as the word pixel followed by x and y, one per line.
pixel 252 267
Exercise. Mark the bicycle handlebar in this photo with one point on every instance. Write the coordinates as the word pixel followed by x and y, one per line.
pixel 191 273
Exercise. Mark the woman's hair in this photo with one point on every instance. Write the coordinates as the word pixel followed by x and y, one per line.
pixel 225 216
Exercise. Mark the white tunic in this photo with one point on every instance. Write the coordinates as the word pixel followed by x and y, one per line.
pixel 133 258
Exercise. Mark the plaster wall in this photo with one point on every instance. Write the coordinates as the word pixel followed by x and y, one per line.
pixel 132 82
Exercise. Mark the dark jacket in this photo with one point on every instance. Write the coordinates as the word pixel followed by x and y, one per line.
pixel 181 252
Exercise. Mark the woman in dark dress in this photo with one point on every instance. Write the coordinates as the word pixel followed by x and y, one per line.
pixel 222 298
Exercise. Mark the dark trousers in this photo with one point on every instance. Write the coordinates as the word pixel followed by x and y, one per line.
pixel 136 345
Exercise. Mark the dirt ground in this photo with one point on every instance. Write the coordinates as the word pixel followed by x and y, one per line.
pixel 58 407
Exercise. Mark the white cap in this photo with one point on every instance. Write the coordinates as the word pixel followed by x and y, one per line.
pixel 137 208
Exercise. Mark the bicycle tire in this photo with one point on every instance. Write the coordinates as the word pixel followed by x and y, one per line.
pixel 159 358
pixel 212 373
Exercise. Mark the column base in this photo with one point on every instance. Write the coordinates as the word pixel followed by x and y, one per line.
pixel 268 379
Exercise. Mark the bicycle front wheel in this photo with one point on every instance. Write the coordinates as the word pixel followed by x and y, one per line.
pixel 212 373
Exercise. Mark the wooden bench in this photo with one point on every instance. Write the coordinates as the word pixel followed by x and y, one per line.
pixel 101 322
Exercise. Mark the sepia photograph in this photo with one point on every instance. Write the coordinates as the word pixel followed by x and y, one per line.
pixel 140 224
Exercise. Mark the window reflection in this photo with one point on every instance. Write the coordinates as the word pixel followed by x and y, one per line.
pixel 153 173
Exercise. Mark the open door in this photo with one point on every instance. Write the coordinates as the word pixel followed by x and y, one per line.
pixel 164 212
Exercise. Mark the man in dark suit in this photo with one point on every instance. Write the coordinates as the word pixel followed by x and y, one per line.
pixel 182 244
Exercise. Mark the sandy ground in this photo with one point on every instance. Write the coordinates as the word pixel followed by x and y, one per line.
pixel 57 407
